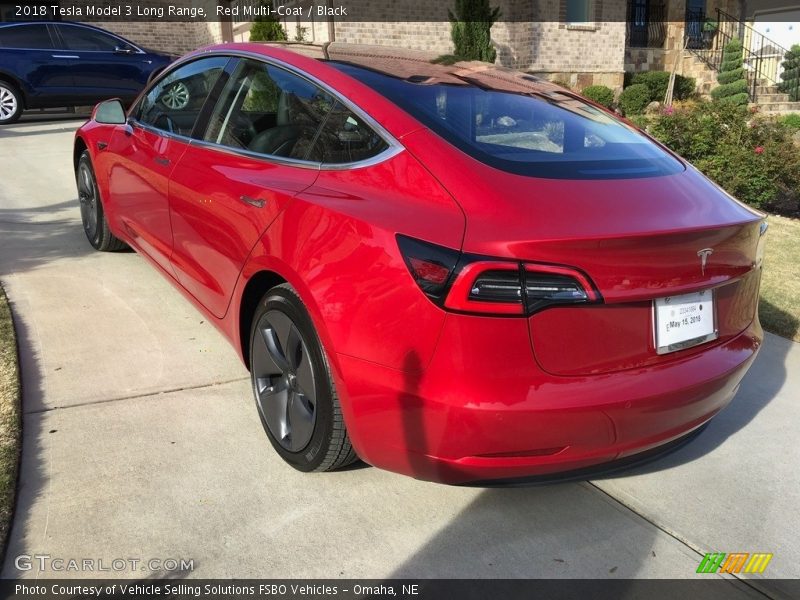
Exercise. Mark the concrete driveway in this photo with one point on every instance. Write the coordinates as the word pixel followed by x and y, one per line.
pixel 141 440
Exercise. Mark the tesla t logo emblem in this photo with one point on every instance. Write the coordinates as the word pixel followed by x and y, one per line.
pixel 704 254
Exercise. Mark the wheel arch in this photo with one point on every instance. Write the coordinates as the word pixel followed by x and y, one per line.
pixel 258 285
pixel 8 78
pixel 79 148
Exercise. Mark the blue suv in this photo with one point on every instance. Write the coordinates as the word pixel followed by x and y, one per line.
pixel 46 65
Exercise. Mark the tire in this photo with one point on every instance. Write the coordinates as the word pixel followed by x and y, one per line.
pixel 93 216
pixel 294 392
pixel 11 103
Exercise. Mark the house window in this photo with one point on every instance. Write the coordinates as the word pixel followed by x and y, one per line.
pixel 580 11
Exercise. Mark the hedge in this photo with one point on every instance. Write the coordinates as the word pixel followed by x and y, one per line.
pixel 658 81
pixel 634 99
pixel 601 94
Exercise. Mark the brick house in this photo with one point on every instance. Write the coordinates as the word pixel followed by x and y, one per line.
pixel 578 42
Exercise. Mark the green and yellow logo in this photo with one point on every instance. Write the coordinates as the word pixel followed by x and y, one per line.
pixel 735 562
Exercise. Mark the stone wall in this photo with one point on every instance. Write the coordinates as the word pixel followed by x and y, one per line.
pixel 579 54
pixel 533 36
pixel 172 38
pixel 425 35
pixel 644 59
pixel 535 39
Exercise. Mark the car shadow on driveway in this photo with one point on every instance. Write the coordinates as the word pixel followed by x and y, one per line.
pixel 27 241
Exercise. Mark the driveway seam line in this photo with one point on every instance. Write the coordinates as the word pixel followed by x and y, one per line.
pixel 752 584
pixel 135 396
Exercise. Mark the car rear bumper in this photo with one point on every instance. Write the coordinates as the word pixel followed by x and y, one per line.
pixel 483 410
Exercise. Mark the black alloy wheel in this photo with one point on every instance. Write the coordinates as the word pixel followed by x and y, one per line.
pixel 293 388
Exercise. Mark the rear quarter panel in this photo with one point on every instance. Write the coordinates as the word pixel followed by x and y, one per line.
pixel 335 243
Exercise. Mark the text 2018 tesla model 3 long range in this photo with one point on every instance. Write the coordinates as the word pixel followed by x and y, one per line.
pixel 460 273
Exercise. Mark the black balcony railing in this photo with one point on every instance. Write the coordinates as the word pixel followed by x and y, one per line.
pixel 761 56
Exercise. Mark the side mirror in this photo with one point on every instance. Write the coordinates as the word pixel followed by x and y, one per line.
pixel 110 112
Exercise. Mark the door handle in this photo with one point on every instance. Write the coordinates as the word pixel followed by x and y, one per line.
pixel 70 56
pixel 163 161
pixel 257 202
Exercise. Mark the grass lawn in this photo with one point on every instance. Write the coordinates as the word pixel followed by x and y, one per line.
pixel 9 417
pixel 780 284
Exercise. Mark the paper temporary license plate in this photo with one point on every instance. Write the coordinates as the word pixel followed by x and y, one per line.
pixel 684 321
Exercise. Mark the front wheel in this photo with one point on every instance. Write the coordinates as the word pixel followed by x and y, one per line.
pixel 294 391
pixel 92 214
pixel 10 103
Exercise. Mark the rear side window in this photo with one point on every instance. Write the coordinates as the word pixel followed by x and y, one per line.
pixel 345 138
pixel 174 103
pixel 29 37
pixel 549 134
pixel 269 110
pixel 85 39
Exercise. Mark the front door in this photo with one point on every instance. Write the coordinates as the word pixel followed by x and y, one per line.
pixel 637 23
pixel 156 137
pixel 695 19
pixel 102 66
pixel 227 189
pixel 29 52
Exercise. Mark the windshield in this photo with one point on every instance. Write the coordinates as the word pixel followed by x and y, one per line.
pixel 541 134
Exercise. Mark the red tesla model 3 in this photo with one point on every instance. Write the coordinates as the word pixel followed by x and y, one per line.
pixel 457 272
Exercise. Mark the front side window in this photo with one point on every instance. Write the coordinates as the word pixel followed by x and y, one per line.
pixel 85 39
pixel 29 37
pixel 174 103
pixel 268 110
pixel 545 133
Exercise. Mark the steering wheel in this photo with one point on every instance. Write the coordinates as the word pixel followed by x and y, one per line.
pixel 168 123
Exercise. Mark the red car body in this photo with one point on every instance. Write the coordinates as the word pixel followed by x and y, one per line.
pixel 446 393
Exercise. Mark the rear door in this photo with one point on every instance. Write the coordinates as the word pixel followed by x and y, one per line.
pixel 28 53
pixel 103 65
pixel 144 154
pixel 252 161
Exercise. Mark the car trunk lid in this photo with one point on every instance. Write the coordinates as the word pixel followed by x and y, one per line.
pixel 637 240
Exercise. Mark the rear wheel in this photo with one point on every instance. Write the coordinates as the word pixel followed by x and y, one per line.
pixel 92 215
pixel 294 391
pixel 10 103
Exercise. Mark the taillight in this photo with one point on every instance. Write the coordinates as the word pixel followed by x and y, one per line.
pixel 554 284
pixel 430 265
pixel 477 284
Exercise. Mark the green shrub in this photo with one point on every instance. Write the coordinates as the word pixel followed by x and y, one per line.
pixel 792 120
pixel 754 159
pixel 731 76
pixel 732 83
pixel 641 121
pixel 634 99
pixel 658 81
pixel 266 29
pixel 601 94
pixel 470 26
pixel 791 73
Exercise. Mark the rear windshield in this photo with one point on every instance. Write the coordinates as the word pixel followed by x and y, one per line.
pixel 539 134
